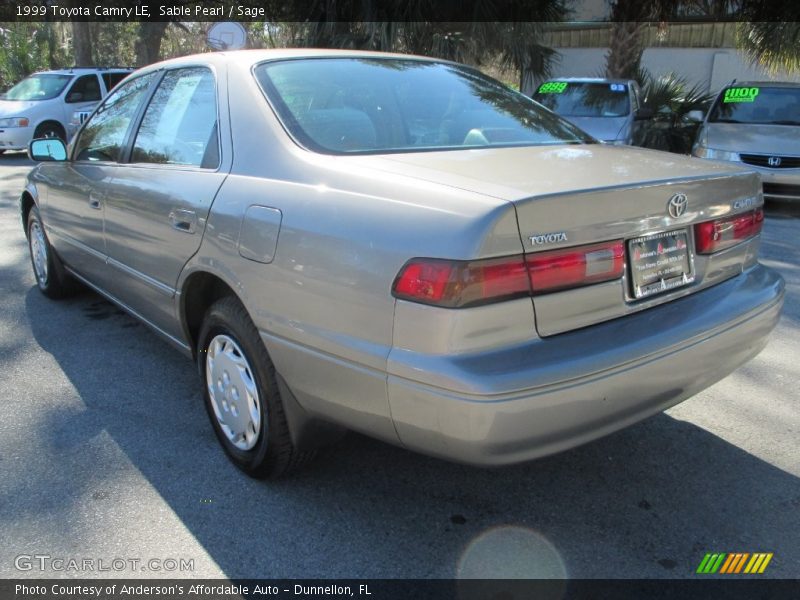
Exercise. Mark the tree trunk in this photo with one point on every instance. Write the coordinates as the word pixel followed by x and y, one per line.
pixel 82 43
pixel 625 49
pixel 148 44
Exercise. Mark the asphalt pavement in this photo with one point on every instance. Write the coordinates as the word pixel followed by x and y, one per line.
pixel 106 454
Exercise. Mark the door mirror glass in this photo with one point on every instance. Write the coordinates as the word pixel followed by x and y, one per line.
pixel 48 149
pixel 643 114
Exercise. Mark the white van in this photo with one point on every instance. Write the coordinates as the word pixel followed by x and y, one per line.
pixel 42 104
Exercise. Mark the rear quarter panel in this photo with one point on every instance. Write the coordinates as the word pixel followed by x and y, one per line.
pixel 324 305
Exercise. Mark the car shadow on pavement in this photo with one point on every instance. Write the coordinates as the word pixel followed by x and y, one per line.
pixel 649 501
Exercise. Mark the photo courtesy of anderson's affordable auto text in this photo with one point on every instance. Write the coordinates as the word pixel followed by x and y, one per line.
pixel 469 302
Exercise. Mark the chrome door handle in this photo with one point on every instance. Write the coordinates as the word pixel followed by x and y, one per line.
pixel 183 220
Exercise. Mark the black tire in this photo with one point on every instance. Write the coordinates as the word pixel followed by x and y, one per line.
pixel 273 453
pixel 50 130
pixel 51 277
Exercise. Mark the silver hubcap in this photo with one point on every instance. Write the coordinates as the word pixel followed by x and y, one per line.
pixel 39 252
pixel 233 392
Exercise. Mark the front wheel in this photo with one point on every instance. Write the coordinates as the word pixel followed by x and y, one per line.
pixel 51 278
pixel 241 393
pixel 50 130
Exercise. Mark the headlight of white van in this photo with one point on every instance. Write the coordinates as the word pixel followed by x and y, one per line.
pixel 14 122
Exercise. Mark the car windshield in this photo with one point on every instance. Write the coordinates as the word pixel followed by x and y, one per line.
pixel 756 104
pixel 38 87
pixel 360 105
pixel 584 99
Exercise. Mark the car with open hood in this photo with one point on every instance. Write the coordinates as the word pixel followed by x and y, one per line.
pixel 403 247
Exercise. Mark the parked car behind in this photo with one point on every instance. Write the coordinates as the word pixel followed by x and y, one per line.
pixel 608 109
pixel 757 124
pixel 42 104
pixel 403 247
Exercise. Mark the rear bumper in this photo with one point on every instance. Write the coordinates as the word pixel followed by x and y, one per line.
pixel 551 394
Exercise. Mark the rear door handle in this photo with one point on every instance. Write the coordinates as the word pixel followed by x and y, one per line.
pixel 183 220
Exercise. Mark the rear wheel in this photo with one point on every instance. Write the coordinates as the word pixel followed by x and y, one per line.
pixel 241 393
pixel 52 279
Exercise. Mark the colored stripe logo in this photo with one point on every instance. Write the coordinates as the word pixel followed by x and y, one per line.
pixel 732 563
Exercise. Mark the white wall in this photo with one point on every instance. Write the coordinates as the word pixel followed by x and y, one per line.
pixel 712 67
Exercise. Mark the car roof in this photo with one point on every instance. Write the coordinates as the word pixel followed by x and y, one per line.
pixel 592 80
pixel 74 70
pixel 789 84
pixel 251 57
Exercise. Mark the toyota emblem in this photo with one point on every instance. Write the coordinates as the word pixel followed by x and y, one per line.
pixel 774 161
pixel 677 205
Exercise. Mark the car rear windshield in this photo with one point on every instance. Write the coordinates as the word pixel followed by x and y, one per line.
pixel 366 105
pixel 38 87
pixel 583 99
pixel 757 104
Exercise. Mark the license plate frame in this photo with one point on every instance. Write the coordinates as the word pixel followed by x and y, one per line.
pixel 659 262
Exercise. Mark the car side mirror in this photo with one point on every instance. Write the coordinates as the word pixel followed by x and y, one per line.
pixel 74 97
pixel 47 149
pixel 695 115
pixel 643 114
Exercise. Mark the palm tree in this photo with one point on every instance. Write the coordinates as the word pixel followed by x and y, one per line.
pixel 671 99
pixel 629 21
pixel 768 31
pixel 773 44
pixel 485 37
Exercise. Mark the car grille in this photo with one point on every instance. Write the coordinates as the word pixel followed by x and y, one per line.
pixel 762 160
pixel 781 189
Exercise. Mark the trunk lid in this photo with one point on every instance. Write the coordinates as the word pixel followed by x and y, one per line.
pixel 567 196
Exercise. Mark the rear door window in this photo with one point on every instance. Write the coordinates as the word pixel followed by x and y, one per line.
pixel 180 123
pixel 112 79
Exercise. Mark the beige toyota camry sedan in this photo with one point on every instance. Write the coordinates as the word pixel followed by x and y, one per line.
pixel 402 247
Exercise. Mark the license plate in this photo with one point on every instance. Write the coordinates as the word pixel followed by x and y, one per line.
pixel 659 263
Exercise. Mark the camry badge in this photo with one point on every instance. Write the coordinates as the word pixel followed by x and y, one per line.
pixel 677 205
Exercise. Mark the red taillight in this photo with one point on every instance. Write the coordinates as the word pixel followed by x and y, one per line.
pixel 713 236
pixel 573 267
pixel 458 283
